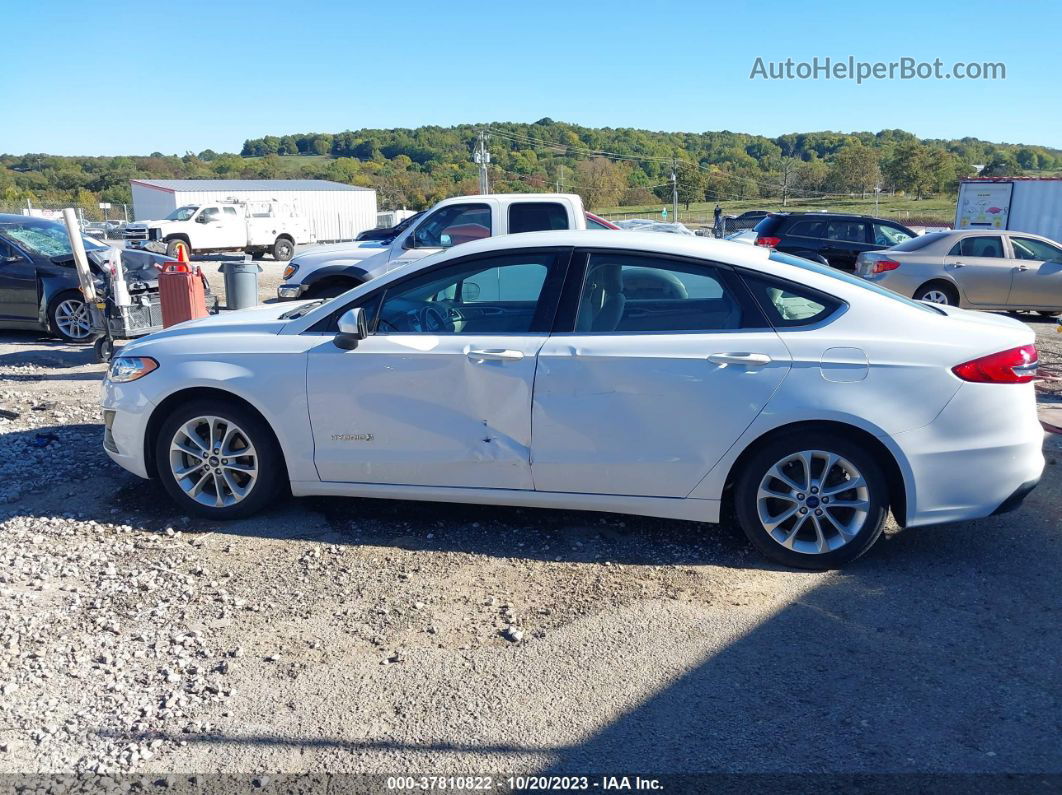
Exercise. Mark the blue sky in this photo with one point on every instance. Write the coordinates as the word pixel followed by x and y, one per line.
pixel 134 77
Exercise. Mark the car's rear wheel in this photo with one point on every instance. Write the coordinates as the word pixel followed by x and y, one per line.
pixel 937 293
pixel 218 460
pixel 68 316
pixel 283 249
pixel 812 500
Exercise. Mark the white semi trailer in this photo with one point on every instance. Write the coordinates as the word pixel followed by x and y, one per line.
pixel 1019 204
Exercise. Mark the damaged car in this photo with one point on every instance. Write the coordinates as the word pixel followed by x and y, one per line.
pixel 39 288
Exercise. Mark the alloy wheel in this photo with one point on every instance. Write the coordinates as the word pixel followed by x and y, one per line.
pixel 936 297
pixel 72 318
pixel 813 502
pixel 213 461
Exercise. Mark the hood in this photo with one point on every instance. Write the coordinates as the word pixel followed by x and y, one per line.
pixel 334 253
pixel 377 266
pixel 264 319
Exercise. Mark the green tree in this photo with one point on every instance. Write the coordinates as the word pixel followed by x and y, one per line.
pixel 600 182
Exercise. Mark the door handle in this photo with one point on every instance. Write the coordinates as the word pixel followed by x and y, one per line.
pixel 958 264
pixel 494 355
pixel 1021 268
pixel 750 359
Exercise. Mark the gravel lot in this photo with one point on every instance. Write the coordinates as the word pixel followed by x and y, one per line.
pixel 360 635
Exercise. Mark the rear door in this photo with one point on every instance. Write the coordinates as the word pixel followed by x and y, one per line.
pixel 1037 273
pixel 846 239
pixel 18 286
pixel 663 364
pixel 980 268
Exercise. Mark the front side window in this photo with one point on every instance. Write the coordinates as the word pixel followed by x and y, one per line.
pixel 978 246
pixel 885 235
pixel 537 217
pixel 1028 248
pixel 492 295
pixel 849 231
pixel 639 293
pixel 209 215
pixel 453 225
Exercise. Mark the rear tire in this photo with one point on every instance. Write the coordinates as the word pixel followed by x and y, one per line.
pixel 812 500
pixel 283 249
pixel 937 293
pixel 218 460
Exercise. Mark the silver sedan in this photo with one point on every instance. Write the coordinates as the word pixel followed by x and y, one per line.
pixel 975 269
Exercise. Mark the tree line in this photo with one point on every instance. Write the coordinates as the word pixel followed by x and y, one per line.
pixel 607 166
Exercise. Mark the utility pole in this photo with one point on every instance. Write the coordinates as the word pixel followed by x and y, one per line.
pixel 482 157
pixel 787 169
pixel 560 177
pixel 674 191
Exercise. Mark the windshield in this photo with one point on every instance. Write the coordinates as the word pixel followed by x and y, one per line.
pixel 182 213
pixel 44 238
pixel 826 270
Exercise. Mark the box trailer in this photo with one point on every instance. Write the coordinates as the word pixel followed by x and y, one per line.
pixel 333 211
pixel 1020 204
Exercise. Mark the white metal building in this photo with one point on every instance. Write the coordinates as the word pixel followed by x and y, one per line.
pixel 333 210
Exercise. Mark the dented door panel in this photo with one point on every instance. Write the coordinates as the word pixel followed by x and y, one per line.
pixel 425 410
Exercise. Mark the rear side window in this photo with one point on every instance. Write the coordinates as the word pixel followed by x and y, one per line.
pixel 850 231
pixel 537 217
pixel 1027 248
pixel 768 225
pixel 808 229
pixel 978 246
pixel 230 211
pixel 788 304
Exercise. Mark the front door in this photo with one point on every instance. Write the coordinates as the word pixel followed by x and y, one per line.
pixel 668 364
pixel 440 393
pixel 219 227
pixel 1037 279
pixel 979 266
pixel 18 286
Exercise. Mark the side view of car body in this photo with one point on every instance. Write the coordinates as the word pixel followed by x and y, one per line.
pixel 834 239
pixel 662 375
pixel 988 269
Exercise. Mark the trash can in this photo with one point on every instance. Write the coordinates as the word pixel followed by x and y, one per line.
pixel 241 284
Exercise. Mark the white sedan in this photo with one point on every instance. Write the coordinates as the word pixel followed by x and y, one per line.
pixel 637 373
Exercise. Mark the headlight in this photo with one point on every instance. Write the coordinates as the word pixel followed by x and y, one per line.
pixel 290 270
pixel 130 368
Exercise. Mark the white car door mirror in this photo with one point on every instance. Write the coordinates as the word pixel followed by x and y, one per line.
pixel 353 327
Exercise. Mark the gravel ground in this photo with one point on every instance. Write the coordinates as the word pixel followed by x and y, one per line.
pixel 361 635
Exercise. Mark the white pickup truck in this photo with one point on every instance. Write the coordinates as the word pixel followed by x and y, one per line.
pixel 252 227
pixel 327 271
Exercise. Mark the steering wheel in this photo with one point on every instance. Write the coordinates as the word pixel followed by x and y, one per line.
pixel 433 319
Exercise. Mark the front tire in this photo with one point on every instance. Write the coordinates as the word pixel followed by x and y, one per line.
pixel 173 249
pixel 218 460
pixel 69 319
pixel 812 500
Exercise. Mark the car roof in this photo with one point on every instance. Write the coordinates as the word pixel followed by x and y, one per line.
pixel 841 216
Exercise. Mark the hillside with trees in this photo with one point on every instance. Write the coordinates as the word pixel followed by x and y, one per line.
pixel 609 167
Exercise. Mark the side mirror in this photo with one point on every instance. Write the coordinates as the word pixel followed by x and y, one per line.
pixel 353 328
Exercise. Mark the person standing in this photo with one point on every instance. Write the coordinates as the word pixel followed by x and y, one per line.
pixel 718 228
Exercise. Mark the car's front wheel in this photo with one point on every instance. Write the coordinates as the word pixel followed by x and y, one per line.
pixel 218 460
pixel 68 316
pixel 812 500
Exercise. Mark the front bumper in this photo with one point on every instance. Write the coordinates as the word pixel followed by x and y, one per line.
pixel 125 417
pixel 290 292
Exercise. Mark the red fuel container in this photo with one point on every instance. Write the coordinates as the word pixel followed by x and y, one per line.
pixel 181 293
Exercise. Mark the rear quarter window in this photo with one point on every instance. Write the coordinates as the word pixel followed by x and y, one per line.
pixel 768 225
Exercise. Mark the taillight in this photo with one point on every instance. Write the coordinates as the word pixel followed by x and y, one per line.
pixel 1014 366
pixel 768 242
pixel 882 265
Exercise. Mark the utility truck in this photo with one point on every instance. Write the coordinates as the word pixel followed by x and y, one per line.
pixel 256 228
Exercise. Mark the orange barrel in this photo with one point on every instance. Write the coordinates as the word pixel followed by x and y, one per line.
pixel 181 293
